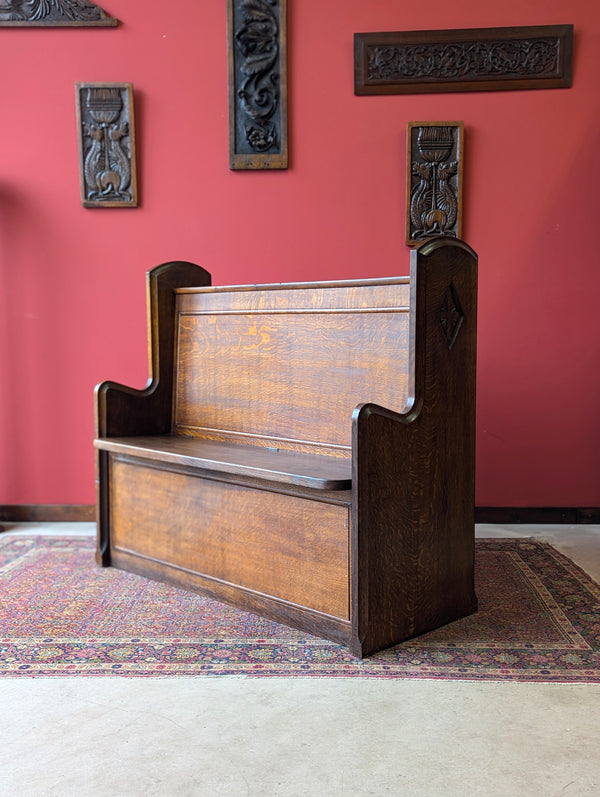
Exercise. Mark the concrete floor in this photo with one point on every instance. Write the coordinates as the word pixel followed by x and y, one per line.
pixel 232 736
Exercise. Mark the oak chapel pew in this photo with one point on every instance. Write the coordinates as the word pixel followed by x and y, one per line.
pixel 303 451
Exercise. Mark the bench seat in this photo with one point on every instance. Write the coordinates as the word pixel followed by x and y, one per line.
pixel 315 471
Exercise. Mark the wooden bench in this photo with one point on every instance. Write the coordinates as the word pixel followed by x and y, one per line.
pixel 303 451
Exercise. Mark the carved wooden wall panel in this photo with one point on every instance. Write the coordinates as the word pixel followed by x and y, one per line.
pixel 434 165
pixel 53 13
pixel 477 59
pixel 257 84
pixel 106 128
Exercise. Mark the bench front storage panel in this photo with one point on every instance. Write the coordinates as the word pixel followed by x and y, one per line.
pixel 271 545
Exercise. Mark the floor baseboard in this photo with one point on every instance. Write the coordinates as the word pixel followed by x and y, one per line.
pixel 47 513
pixel 539 515
pixel 86 513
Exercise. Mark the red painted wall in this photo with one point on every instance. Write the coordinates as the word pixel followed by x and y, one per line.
pixel 72 300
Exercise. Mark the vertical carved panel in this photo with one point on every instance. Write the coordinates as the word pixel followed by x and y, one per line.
pixel 257 84
pixel 106 130
pixel 434 162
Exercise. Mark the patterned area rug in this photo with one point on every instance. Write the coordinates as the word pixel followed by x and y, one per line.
pixel 61 615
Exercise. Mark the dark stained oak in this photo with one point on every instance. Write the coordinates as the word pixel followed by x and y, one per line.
pixel 304 451
pixel 414 474
pixel 122 410
pixel 274 464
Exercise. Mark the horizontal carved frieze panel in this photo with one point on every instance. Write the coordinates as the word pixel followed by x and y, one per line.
pixel 477 59
pixel 53 13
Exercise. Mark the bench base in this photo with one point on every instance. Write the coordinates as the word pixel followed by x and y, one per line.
pixel 282 555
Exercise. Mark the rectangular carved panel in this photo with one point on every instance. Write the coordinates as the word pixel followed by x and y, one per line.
pixel 434 179
pixel 106 129
pixel 476 59
pixel 53 13
pixel 257 84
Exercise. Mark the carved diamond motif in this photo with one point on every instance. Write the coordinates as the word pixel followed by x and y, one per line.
pixel 451 315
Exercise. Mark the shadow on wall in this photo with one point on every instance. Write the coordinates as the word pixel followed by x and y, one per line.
pixel 29 315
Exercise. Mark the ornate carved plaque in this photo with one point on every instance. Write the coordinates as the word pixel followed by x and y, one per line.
pixel 257 84
pixel 42 13
pixel 434 176
pixel 477 59
pixel 107 170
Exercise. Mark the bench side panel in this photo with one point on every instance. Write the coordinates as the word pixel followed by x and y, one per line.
pixel 414 475
pixel 123 410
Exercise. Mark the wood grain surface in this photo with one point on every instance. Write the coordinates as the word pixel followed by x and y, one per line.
pixel 275 545
pixel 293 360
pixel 278 465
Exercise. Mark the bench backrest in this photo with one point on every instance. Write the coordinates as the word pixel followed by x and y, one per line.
pixel 285 365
